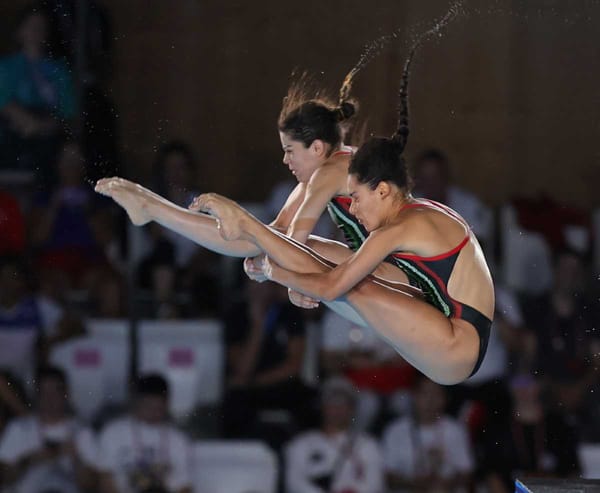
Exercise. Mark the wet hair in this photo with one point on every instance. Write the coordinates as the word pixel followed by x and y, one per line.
pixel 381 158
pixel 307 117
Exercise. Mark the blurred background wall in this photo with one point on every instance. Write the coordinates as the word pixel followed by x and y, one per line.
pixel 510 91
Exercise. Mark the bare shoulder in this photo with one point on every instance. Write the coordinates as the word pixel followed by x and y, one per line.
pixel 331 175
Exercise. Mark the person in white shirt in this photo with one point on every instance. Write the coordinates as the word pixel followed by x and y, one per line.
pixel 376 369
pixel 27 321
pixel 143 452
pixel 48 450
pixel 427 451
pixel 334 458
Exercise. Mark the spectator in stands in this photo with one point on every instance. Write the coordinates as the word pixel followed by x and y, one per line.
pixel 174 262
pixel 48 450
pixel 380 374
pixel 533 442
pixel 143 452
pixel 564 321
pixel 485 399
pixel 432 178
pixel 428 451
pixel 65 232
pixel 335 458
pixel 27 322
pixel 36 98
pixel 266 345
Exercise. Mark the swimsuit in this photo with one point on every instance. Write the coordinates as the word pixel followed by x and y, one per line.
pixel 429 274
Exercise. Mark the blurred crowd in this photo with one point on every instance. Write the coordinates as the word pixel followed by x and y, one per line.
pixel 362 420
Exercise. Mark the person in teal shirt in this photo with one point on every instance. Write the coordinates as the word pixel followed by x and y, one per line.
pixel 36 98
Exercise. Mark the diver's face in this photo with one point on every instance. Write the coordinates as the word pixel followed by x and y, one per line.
pixel 301 161
pixel 366 204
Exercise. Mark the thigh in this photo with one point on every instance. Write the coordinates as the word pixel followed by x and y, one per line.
pixel 445 349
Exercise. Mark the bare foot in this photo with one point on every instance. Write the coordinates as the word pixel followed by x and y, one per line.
pixel 131 196
pixel 228 213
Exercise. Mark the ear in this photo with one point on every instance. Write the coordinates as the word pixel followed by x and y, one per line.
pixel 319 147
pixel 383 189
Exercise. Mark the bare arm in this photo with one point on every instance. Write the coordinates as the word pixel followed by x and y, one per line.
pixel 323 185
pixel 335 282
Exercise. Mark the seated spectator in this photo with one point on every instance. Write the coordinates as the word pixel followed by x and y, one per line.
pixel 27 322
pixel 48 450
pixel 66 224
pixel 36 98
pixel 143 452
pixel 175 262
pixel 484 399
pixel 334 458
pixel 564 320
pixel 428 451
pixel 266 344
pixel 12 225
pixel 375 368
pixel 432 178
pixel 533 443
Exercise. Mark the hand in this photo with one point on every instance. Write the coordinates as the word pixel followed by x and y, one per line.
pixel 132 197
pixel 228 213
pixel 302 300
pixel 269 268
pixel 253 268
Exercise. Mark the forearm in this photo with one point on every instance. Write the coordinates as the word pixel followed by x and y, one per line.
pixel 315 285
pixel 197 227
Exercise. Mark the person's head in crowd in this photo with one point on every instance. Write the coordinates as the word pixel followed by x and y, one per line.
pixel 569 273
pixel 431 174
pixel 71 164
pixel 338 404
pixel 151 399
pixel 174 168
pixel 429 400
pixel 311 129
pixel 52 393
pixel 13 280
pixel 33 31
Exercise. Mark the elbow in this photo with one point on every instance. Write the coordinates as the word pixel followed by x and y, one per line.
pixel 330 293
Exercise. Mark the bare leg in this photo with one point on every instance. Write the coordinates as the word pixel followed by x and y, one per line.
pixel 143 206
pixel 444 349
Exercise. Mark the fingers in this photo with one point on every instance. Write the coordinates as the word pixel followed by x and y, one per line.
pixel 302 300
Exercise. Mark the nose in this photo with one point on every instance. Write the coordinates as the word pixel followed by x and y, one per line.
pixel 286 159
pixel 352 208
